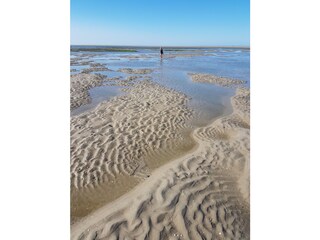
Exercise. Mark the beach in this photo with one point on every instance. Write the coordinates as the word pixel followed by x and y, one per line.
pixel 158 158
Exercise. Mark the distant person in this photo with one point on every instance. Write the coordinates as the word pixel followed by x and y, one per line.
pixel 161 52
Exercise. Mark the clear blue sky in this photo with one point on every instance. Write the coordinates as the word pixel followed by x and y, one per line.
pixel 165 23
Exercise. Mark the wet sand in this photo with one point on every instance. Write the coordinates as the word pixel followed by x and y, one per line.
pixel 79 86
pixel 183 184
pixel 124 139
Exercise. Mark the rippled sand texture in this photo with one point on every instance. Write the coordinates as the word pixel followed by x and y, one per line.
pixel 135 71
pixel 221 81
pixel 79 86
pixel 123 139
pixel 202 195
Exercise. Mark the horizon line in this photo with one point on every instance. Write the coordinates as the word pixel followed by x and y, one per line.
pixel 173 46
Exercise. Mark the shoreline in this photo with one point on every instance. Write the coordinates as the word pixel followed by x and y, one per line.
pixel 156 47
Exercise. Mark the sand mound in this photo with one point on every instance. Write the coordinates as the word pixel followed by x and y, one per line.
pixel 79 86
pixel 76 62
pixel 203 195
pixel 127 82
pixel 135 71
pixel 221 81
pixel 95 64
pixel 95 69
pixel 84 59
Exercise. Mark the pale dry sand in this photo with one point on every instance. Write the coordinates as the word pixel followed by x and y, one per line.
pixel 95 69
pixel 122 140
pixel 125 82
pixel 80 62
pixel 201 195
pixel 95 64
pixel 79 86
pixel 85 59
pixel 136 71
pixel 221 81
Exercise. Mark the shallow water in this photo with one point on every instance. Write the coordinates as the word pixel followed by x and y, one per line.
pixel 208 101
pixel 98 94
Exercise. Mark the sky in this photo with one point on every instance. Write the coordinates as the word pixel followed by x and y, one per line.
pixel 160 23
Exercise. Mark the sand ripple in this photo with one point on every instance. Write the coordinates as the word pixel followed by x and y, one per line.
pixel 95 69
pixel 136 71
pixel 119 135
pixel 221 81
pixel 203 195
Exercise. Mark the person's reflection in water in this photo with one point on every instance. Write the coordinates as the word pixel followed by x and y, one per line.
pixel 161 69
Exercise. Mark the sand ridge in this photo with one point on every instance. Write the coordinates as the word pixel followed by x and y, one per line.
pixel 136 71
pixel 202 195
pixel 96 64
pixel 95 69
pixel 124 82
pixel 84 59
pixel 80 62
pixel 221 81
